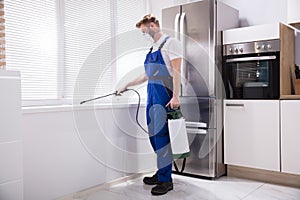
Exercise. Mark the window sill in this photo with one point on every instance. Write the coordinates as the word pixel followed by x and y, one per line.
pixel 68 108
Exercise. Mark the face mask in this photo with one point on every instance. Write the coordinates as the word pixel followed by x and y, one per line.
pixel 148 37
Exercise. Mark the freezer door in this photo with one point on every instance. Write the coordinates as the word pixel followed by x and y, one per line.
pixel 198 67
pixel 203 158
pixel 206 144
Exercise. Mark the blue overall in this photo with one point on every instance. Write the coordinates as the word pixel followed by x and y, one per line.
pixel 159 93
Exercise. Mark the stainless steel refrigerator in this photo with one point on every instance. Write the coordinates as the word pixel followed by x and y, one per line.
pixel 198 26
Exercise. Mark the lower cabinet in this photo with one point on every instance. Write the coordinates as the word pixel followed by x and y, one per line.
pixel 290 136
pixel 11 145
pixel 251 134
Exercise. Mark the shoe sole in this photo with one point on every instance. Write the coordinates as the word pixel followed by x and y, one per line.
pixel 162 193
pixel 150 183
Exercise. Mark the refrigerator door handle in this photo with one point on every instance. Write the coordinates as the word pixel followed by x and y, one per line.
pixel 184 71
pixel 176 26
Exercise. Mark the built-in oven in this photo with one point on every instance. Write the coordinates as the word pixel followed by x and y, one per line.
pixel 251 70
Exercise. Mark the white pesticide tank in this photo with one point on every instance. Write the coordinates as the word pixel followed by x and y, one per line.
pixel 178 138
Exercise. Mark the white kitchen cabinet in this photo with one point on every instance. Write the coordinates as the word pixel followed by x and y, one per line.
pixel 290 136
pixel 11 154
pixel 251 133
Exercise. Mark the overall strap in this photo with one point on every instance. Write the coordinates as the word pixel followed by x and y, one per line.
pixel 163 43
pixel 150 50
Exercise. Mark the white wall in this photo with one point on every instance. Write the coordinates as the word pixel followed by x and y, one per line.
pixel 252 12
pixel 68 151
pixel 293 14
pixel 255 12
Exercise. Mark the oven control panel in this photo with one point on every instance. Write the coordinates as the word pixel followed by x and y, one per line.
pixel 252 47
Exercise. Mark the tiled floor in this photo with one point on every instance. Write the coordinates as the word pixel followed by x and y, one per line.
pixel 224 188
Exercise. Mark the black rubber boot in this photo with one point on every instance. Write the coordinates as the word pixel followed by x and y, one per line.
pixel 162 188
pixel 153 180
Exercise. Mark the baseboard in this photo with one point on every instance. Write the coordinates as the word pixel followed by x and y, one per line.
pixel 102 186
pixel 266 176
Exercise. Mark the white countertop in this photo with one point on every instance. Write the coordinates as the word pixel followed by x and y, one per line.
pixel 8 73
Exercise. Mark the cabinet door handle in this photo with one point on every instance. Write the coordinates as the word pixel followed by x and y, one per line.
pixel 235 104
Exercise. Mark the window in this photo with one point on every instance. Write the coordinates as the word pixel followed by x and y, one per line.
pixel 87 47
pixel 32 47
pixel 72 49
pixel 131 46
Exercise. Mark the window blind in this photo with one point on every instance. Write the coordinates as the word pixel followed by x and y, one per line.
pixel 88 46
pixel 2 37
pixel 131 47
pixel 87 31
pixel 128 13
pixel 32 46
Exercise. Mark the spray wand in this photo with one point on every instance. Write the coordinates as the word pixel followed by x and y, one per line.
pixel 119 94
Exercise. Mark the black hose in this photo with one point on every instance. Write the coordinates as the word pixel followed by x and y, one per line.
pixel 137 110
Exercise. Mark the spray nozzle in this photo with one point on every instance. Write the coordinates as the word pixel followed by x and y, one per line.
pixel 119 94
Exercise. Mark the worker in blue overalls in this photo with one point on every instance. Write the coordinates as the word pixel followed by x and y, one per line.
pixel 162 70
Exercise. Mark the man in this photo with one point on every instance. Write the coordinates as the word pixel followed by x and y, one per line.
pixel 162 70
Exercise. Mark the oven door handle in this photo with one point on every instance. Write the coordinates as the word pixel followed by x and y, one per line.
pixel 244 59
